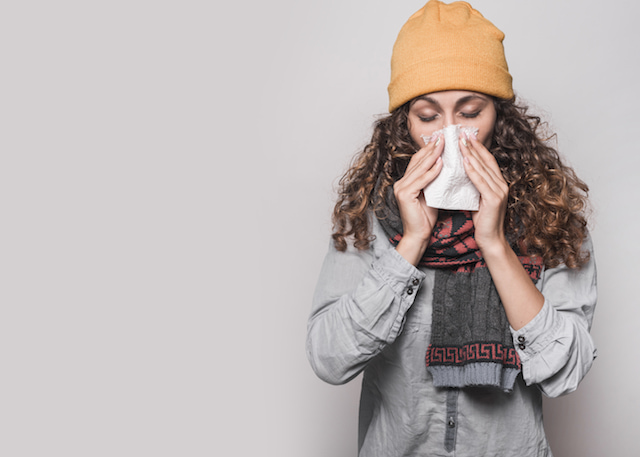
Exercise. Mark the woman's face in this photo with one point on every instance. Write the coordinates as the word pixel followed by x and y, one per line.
pixel 437 110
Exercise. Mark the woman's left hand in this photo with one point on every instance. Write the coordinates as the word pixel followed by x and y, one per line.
pixel 521 300
pixel 485 174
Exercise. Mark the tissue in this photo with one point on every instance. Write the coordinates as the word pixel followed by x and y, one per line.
pixel 452 189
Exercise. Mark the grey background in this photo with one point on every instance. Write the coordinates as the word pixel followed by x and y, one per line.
pixel 166 186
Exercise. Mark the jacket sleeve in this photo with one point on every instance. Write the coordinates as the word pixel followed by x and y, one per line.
pixel 359 305
pixel 556 348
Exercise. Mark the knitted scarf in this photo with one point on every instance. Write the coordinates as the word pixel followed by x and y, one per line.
pixel 471 342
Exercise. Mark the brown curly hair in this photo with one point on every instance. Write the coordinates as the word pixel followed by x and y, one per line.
pixel 547 201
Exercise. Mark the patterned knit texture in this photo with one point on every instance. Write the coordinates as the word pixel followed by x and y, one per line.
pixel 471 343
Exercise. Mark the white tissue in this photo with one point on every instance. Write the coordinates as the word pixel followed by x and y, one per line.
pixel 452 189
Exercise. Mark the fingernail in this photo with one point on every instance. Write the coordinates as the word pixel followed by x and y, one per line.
pixel 438 140
pixel 464 141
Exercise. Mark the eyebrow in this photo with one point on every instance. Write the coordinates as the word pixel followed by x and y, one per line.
pixel 468 98
pixel 459 102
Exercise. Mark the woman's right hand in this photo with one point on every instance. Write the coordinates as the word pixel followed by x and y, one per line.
pixel 418 219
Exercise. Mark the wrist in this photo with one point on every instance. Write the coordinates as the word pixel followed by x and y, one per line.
pixel 496 249
pixel 412 249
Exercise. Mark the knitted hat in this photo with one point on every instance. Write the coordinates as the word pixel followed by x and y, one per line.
pixel 448 47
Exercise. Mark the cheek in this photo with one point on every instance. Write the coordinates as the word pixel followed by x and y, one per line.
pixel 417 138
pixel 415 133
pixel 418 130
pixel 485 133
pixel 485 137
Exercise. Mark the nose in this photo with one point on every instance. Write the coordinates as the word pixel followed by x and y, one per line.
pixel 449 118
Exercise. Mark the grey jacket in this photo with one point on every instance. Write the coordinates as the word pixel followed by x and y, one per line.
pixel 372 311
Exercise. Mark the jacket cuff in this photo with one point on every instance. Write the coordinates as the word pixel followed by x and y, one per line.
pixel 534 337
pixel 403 278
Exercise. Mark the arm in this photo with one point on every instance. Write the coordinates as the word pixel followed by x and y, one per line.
pixel 550 323
pixel 519 296
pixel 362 296
pixel 556 348
pixel 358 309
pixel 521 300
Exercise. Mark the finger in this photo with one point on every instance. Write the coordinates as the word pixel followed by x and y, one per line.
pixel 470 156
pixel 491 192
pixel 477 176
pixel 480 174
pixel 471 153
pixel 423 163
pixel 488 159
pixel 414 183
pixel 468 149
pixel 435 146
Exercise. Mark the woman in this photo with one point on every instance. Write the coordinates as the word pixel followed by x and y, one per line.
pixel 459 318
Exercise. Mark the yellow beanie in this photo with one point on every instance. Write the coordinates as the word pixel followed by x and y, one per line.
pixel 448 47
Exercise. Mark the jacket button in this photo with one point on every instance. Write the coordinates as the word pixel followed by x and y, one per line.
pixel 415 281
pixel 521 346
pixel 521 339
pixel 451 423
pixel 409 290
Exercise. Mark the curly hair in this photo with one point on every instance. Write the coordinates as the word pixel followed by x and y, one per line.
pixel 547 201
